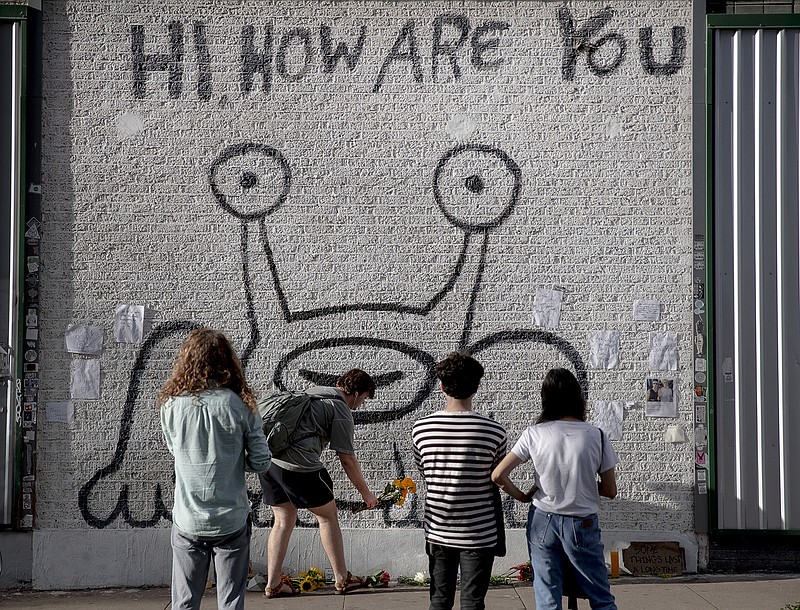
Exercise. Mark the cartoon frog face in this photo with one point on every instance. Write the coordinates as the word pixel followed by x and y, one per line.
pixel 297 338
pixel 475 188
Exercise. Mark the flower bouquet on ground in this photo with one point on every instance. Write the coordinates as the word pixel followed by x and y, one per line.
pixel 394 494
pixel 378 580
pixel 522 572
pixel 309 581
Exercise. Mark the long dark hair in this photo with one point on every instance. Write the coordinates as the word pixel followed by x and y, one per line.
pixel 562 396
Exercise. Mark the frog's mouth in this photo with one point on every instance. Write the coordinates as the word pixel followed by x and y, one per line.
pixel 403 374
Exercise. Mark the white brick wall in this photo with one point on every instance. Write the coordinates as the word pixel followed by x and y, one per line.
pixel 604 213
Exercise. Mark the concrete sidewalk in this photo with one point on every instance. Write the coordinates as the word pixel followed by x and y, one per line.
pixel 697 592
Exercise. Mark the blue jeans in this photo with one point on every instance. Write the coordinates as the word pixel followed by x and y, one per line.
pixel 191 557
pixel 552 537
pixel 476 569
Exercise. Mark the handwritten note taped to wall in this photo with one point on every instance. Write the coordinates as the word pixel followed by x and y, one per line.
pixel 85 379
pixel 646 310
pixel 547 307
pixel 63 412
pixel 87 340
pixel 608 417
pixel 663 351
pixel 604 349
pixel 129 323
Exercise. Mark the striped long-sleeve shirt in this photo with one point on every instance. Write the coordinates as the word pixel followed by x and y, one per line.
pixel 455 452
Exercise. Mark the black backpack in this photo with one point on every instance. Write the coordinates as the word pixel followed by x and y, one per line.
pixel 280 414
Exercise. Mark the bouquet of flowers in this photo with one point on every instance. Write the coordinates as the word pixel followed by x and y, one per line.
pixel 523 572
pixel 395 493
pixel 377 580
pixel 309 581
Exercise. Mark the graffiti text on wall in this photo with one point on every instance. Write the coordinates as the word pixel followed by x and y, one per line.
pixel 450 44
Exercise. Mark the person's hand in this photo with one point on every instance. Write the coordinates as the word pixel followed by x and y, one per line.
pixel 530 492
pixel 369 499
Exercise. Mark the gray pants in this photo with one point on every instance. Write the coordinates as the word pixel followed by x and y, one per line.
pixel 191 558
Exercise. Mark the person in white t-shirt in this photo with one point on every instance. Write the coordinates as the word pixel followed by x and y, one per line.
pixel 567 455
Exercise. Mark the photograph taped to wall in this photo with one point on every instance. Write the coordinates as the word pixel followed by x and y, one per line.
pixel 660 398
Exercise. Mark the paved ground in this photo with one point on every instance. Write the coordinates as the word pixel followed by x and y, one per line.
pixel 699 592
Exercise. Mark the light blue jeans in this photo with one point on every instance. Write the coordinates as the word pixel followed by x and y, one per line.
pixel 552 537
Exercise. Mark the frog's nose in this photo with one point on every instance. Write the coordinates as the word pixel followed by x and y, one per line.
pixel 403 374
pixel 476 186
pixel 250 180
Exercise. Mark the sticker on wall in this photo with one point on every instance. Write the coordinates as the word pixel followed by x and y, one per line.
pixel 699 393
pixel 727 370
pixel 700 414
pixel 646 310
pixel 604 349
pixel 660 398
pixel 547 307
pixel 129 323
pixel 85 379
pixel 608 417
pixel 700 437
pixel 87 340
pixel 663 351
pixel 700 457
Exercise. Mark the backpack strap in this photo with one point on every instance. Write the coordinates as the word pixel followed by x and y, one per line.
pixel 602 449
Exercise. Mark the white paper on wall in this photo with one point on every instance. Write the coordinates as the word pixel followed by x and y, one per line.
pixel 129 323
pixel 646 310
pixel 604 349
pixel 663 351
pixel 80 339
pixel 85 379
pixel 608 417
pixel 547 307
pixel 661 409
pixel 63 412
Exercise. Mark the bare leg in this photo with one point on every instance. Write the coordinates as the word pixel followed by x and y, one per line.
pixel 331 537
pixel 285 518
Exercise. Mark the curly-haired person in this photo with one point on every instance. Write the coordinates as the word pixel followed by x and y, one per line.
pixel 212 428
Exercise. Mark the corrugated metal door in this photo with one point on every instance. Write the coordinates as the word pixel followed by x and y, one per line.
pixel 756 267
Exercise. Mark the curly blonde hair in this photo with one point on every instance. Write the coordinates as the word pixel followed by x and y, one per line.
pixel 206 360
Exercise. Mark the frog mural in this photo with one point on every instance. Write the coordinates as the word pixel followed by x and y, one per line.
pixel 289 344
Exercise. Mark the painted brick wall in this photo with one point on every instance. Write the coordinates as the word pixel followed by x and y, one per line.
pixel 190 146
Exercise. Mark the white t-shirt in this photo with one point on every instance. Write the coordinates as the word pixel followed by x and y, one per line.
pixel 566 457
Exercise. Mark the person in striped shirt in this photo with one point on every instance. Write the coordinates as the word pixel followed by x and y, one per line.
pixel 455 450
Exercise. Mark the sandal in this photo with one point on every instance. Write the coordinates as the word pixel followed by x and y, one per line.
pixel 351 583
pixel 285 588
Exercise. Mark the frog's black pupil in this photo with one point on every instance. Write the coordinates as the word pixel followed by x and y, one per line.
pixel 249 180
pixel 474 183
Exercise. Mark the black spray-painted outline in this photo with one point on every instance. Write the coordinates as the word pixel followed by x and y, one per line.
pixel 646 55
pixel 156 336
pixel 171 329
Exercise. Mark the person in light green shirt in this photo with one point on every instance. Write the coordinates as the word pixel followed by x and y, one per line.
pixel 212 429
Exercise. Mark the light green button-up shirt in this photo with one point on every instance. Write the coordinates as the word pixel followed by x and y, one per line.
pixel 214 438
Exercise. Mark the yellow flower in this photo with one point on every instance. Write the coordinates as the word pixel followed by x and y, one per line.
pixel 307 584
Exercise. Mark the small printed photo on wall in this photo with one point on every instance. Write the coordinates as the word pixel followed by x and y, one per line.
pixel 660 398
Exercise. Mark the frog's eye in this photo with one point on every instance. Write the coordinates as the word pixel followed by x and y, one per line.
pixel 250 180
pixel 476 186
